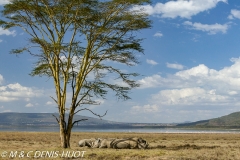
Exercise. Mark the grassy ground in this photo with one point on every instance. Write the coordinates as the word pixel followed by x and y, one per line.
pixel 162 146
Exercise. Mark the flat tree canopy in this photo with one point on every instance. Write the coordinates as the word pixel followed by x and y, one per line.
pixel 76 41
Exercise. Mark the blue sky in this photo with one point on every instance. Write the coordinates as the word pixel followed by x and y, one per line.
pixel 190 69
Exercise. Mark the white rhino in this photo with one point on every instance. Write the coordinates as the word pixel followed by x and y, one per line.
pixel 86 142
pixel 103 143
pixel 129 143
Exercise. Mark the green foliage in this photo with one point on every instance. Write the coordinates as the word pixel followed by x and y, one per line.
pixel 108 28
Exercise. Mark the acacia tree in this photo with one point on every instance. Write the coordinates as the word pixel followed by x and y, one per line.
pixel 77 40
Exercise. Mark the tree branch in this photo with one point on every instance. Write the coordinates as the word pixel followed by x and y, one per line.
pixel 78 121
pixel 84 109
pixel 54 99
pixel 56 118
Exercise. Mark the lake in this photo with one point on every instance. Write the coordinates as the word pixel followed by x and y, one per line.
pixel 142 130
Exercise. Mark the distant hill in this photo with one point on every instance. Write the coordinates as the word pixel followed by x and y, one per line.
pixel 231 120
pixel 45 119
pixel 12 119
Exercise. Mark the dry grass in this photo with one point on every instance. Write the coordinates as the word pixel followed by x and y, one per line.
pixel 162 146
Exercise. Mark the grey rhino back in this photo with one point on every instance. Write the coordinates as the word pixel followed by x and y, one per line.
pixel 97 143
pixel 106 143
pixel 123 144
pixel 86 142
pixel 129 143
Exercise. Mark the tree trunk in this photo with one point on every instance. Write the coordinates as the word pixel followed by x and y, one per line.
pixel 65 135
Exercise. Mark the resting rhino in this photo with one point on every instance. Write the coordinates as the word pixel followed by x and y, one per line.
pixel 103 143
pixel 142 143
pixel 86 142
pixel 129 143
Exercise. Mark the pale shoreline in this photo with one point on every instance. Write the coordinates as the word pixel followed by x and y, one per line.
pixel 134 130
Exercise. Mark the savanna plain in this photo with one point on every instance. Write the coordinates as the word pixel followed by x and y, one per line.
pixel 162 146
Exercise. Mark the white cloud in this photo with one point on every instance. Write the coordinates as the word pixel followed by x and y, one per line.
pixel 1 79
pixel 7 32
pixel 152 62
pixel 158 34
pixel 232 92
pixel 2 2
pixel 179 8
pixel 7 99
pixel 209 28
pixel 157 80
pixel 27 99
pixel 188 96
pixel 29 105
pixel 198 71
pixel 13 92
pixel 197 86
pixel 7 111
pixel 144 109
pixel 199 91
pixel 1 40
pixel 234 14
pixel 175 66
pixel 49 103
pixel 198 76
pixel 100 101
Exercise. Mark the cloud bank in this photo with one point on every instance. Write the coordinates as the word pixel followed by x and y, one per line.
pixel 158 34
pixel 152 62
pixel 199 91
pixel 2 2
pixel 7 32
pixel 1 79
pixel 14 92
pixel 179 8
pixel 209 28
pixel 199 85
pixel 175 66
pixel 234 14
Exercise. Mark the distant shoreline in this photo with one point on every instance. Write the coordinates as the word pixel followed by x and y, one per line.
pixel 119 130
